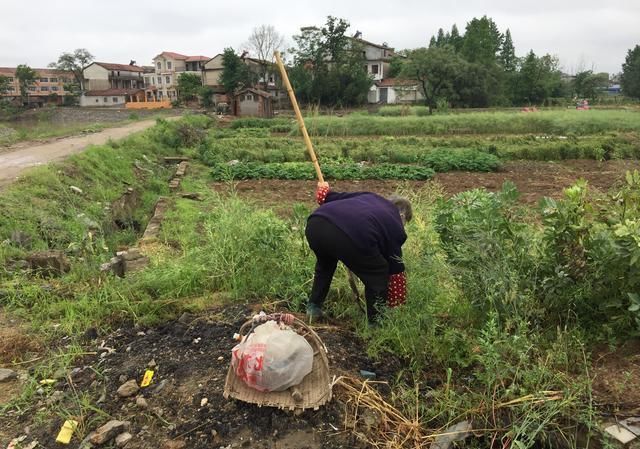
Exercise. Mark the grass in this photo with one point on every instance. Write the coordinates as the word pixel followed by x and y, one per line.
pixel 551 122
pixel 504 303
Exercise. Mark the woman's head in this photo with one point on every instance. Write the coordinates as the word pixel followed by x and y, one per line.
pixel 404 207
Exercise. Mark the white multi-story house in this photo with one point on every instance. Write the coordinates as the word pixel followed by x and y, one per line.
pixel 169 66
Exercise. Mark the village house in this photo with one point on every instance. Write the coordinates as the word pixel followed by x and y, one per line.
pixel 212 72
pixel 48 87
pixel 109 84
pixel 169 66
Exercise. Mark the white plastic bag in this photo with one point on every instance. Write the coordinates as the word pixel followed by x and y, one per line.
pixel 272 358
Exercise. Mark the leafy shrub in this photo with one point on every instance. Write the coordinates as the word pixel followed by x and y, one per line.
pixel 299 170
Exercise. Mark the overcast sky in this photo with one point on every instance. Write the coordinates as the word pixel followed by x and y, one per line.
pixel 584 34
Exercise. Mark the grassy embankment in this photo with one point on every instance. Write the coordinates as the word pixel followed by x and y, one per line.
pixel 501 308
pixel 43 126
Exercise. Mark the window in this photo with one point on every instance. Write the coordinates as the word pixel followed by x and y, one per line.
pixel 159 80
pixel 153 80
pixel 54 88
pixel 53 80
pixel 374 69
pixel 97 101
pixel 105 100
pixel 159 65
pixel 44 89
pixel 168 65
pixel 115 99
pixel 44 80
pixel 167 79
pixel 248 97
pixel 10 79
pixel 32 89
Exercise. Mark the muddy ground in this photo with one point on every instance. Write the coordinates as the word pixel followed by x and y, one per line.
pixel 190 357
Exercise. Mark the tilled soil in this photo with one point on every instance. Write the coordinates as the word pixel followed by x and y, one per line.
pixel 533 179
pixel 190 358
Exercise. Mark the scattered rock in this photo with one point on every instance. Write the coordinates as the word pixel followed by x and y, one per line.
pixel 123 378
pixel 152 363
pixel 203 402
pixel 56 397
pixel 457 432
pixel 21 239
pixel 109 431
pixel 174 444
pixel 192 196
pixel 75 189
pixel 7 375
pixel 142 402
pixel 160 387
pixel 128 389
pixel 123 439
pixel 49 262
pixel 131 266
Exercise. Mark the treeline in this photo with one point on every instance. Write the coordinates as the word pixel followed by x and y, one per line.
pixel 480 68
pixel 477 68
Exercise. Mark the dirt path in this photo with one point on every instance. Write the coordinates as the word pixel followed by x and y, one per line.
pixel 15 161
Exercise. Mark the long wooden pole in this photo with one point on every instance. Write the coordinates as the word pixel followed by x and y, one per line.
pixel 303 129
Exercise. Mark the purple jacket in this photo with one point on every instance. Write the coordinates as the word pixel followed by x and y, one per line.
pixel 372 222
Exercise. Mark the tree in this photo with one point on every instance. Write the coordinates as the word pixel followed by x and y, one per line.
pixel 482 41
pixel 329 65
pixel 630 78
pixel 74 62
pixel 189 85
pixel 4 84
pixel 455 39
pixel 587 84
pixel 436 70
pixel 537 80
pixel 26 77
pixel 508 59
pixel 206 96
pixel 263 43
pixel 235 73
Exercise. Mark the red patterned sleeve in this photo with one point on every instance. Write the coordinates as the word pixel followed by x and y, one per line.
pixel 397 291
pixel 321 194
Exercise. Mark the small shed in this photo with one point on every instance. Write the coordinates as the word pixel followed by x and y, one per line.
pixel 253 103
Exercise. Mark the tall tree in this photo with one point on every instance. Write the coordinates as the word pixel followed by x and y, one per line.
pixel 329 65
pixel 630 78
pixel 433 42
pixel 235 73
pixel 436 70
pixel 441 40
pixel 262 44
pixel 482 41
pixel 508 53
pixel 455 39
pixel 75 62
pixel 26 77
pixel 537 80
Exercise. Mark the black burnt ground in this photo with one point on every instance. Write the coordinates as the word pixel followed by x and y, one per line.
pixel 190 358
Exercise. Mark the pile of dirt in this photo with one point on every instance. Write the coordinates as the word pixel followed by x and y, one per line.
pixel 184 403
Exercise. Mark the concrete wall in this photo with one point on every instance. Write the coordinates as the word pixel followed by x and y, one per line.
pixel 109 101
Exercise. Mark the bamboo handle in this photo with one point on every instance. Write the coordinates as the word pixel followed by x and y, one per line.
pixel 303 128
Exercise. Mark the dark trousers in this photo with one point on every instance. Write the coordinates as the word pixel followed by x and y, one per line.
pixel 331 244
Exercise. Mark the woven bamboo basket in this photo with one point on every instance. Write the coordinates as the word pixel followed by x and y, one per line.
pixel 314 390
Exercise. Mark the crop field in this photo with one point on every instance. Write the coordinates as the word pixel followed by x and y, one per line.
pixel 523 306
